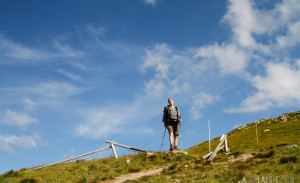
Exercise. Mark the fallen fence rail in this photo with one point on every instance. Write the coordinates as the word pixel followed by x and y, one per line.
pixel 213 154
pixel 112 145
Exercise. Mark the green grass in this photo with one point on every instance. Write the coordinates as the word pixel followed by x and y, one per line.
pixel 272 159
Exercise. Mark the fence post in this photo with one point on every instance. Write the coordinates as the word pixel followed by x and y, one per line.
pixel 114 150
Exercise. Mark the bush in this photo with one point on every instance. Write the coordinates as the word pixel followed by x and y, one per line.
pixel 287 159
pixel 266 155
pixel 28 180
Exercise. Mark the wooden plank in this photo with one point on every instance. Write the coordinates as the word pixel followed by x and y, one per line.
pixel 223 136
pixel 213 155
pixel 127 147
pixel 114 150
pixel 69 159
pixel 226 145
pixel 206 156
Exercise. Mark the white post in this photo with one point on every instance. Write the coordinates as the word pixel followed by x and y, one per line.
pixel 114 150
pixel 216 150
pixel 209 134
pixel 226 145
pixel 256 134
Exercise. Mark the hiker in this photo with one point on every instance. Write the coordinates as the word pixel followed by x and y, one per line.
pixel 171 121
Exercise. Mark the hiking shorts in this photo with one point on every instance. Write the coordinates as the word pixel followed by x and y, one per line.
pixel 173 128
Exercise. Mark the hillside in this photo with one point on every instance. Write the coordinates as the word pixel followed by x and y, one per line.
pixel 274 157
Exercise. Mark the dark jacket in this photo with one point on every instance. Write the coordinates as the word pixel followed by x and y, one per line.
pixel 167 115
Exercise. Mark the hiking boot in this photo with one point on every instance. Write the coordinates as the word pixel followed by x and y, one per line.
pixel 171 148
pixel 175 148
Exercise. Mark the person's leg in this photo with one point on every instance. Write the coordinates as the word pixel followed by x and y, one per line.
pixel 175 140
pixel 171 139
pixel 170 129
pixel 176 133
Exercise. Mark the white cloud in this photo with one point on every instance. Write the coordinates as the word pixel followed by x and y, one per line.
pixel 246 21
pixel 69 75
pixel 280 87
pixel 65 51
pixel 95 30
pixel 44 93
pixel 151 2
pixel 200 101
pixel 292 38
pixel 230 58
pixel 17 51
pixel 287 11
pixel 9 142
pixel 159 58
pixel 14 119
pixel 105 122
pixel 51 89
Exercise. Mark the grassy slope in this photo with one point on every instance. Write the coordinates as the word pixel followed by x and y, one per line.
pixel 272 159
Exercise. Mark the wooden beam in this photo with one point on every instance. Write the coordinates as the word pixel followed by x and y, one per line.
pixel 206 156
pixel 213 155
pixel 114 150
pixel 127 147
pixel 69 159
pixel 226 145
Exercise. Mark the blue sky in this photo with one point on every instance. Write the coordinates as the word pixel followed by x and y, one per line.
pixel 77 73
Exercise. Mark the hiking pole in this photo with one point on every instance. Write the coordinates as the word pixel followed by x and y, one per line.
pixel 180 135
pixel 163 139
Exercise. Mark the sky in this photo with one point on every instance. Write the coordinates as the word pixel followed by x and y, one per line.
pixel 75 73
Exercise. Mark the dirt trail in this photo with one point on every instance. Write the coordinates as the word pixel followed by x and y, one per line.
pixel 134 176
pixel 243 157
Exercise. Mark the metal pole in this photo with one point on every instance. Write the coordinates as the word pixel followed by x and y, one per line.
pixel 209 134
pixel 163 140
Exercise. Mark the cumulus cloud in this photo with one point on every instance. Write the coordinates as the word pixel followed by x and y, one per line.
pixel 292 37
pixel 14 119
pixel 230 58
pixel 9 142
pixel 280 87
pixel 200 101
pixel 248 23
pixel 170 70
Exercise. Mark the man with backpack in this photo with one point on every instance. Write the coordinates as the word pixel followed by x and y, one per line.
pixel 171 121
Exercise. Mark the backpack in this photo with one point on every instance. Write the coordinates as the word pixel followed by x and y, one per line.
pixel 165 114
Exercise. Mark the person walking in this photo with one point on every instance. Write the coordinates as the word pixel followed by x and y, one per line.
pixel 171 121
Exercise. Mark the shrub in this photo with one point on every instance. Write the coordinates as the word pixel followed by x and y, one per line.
pixel 11 173
pixel 266 155
pixel 132 169
pixel 28 180
pixel 287 159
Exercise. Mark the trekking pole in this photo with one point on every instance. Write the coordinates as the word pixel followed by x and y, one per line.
pixel 163 140
pixel 180 135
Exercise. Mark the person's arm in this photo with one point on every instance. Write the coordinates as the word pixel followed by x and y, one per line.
pixel 165 116
pixel 178 115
